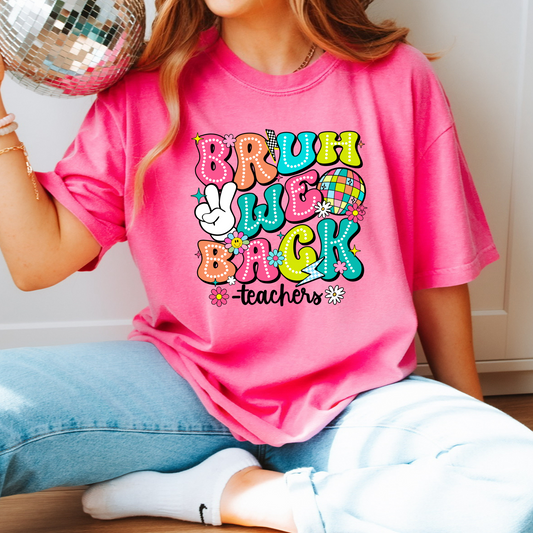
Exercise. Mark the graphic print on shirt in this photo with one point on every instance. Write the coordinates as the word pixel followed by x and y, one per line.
pixel 282 208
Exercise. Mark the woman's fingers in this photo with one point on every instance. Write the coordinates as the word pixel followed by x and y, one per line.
pixel 2 69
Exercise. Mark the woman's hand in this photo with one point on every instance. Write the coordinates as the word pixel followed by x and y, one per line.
pixel 2 69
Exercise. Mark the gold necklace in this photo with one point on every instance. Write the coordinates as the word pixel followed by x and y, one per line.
pixel 308 58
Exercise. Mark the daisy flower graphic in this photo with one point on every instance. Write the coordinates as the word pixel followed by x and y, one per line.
pixel 335 294
pixel 323 209
pixel 356 212
pixel 237 242
pixel 219 296
pixel 275 258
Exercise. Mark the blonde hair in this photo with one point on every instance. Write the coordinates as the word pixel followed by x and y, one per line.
pixel 340 27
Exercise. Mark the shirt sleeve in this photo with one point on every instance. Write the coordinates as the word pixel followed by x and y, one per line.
pixel 89 180
pixel 452 240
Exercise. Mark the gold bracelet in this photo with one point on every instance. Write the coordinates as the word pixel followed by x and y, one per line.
pixel 29 168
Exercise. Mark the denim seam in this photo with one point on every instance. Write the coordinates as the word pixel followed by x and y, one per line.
pixel 261 453
pixel 299 481
pixel 114 430
pixel 317 507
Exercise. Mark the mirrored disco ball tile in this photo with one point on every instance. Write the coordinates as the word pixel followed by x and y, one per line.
pixel 70 47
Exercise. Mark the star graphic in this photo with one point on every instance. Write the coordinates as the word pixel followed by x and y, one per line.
pixel 198 195
pixel 361 144
pixel 215 282
pixel 354 250
pixel 280 235
pixel 198 254
pixel 197 138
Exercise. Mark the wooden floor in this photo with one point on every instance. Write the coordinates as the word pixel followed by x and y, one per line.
pixel 59 510
pixel 519 406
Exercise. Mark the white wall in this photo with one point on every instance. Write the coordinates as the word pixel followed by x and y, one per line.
pixel 520 264
pixel 487 72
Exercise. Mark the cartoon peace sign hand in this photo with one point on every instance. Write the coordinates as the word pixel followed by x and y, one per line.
pixel 215 214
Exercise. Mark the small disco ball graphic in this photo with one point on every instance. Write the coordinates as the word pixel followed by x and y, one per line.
pixel 70 47
pixel 342 187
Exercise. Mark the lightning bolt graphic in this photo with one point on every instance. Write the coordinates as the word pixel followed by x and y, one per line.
pixel 314 274
pixel 272 143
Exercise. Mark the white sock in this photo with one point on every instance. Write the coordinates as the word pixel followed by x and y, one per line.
pixel 193 495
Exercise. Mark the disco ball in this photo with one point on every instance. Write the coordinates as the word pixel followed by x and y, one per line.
pixel 342 187
pixel 70 47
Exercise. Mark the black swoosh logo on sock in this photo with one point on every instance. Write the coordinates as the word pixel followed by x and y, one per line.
pixel 202 507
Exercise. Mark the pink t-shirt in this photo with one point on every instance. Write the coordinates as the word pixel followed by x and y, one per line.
pixel 285 230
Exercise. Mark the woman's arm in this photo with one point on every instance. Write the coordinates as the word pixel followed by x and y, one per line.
pixel 445 330
pixel 42 242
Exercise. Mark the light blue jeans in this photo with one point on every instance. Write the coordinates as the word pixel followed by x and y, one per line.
pixel 413 457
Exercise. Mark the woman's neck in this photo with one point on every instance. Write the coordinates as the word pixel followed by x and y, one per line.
pixel 270 41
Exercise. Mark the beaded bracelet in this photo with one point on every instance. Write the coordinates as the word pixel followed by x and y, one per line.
pixel 8 124
pixel 6 130
pixel 8 119
pixel 29 168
